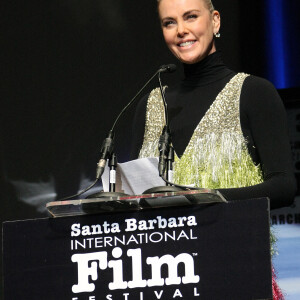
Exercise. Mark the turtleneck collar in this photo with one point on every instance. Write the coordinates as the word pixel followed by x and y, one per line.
pixel 207 71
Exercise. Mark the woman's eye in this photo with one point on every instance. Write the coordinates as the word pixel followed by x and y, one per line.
pixel 168 23
pixel 192 17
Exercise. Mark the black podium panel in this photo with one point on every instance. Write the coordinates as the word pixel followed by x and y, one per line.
pixel 218 251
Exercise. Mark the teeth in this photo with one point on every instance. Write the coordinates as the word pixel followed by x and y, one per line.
pixel 186 43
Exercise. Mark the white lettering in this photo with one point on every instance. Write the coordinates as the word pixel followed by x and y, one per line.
pixel 132 239
pixel 82 245
pixel 88 264
pixel 85 230
pixel 96 229
pixel 137 280
pixel 167 235
pixel 196 292
pixel 182 234
pixel 143 225
pixel 75 229
pixel 172 263
pixel 151 223
pixel 131 224
pixel 162 223
pixel 172 223
pixel 117 240
pixel 160 237
pixel 177 294
pixel 159 222
pixel 180 220
pixel 117 266
pixel 191 235
pixel 107 241
pixel 191 221
pixel 115 228
pixel 99 242
pixel 84 271
pixel 158 296
pixel 106 227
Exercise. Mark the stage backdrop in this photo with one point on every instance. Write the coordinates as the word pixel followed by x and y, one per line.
pixel 69 66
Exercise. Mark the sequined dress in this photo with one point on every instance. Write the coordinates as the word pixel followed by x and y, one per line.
pixel 195 106
pixel 216 155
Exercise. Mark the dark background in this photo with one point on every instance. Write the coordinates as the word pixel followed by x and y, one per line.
pixel 68 67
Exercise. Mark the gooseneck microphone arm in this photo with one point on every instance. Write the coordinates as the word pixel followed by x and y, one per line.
pixel 165 138
pixel 163 69
pixel 108 144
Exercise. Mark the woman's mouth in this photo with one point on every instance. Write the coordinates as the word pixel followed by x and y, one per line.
pixel 185 44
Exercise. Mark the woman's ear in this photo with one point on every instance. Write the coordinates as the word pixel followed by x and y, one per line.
pixel 216 21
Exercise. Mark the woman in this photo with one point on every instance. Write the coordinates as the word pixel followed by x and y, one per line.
pixel 223 124
pixel 228 129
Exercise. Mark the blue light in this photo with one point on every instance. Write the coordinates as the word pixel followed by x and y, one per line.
pixel 276 42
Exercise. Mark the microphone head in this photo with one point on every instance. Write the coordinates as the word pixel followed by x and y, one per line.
pixel 167 68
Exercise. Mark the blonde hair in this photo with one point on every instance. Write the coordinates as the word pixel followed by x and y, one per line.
pixel 208 3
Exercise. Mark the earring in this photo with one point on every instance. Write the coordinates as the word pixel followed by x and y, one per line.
pixel 217 34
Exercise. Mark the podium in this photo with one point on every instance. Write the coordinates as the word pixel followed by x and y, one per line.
pixel 199 251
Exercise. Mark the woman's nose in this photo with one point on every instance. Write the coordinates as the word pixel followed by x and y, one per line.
pixel 181 29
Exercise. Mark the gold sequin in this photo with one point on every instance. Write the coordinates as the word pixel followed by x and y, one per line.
pixel 217 155
pixel 155 120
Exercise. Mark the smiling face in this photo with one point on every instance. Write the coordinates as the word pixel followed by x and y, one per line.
pixel 188 27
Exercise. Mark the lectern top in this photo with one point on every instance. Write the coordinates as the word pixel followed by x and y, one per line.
pixel 136 202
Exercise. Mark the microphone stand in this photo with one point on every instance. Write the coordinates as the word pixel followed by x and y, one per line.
pixel 170 161
pixel 166 156
pixel 112 163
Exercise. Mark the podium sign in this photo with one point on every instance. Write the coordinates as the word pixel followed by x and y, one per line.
pixel 215 251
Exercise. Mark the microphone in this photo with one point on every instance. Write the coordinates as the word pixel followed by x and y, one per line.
pixel 164 147
pixel 170 68
pixel 105 153
pixel 165 138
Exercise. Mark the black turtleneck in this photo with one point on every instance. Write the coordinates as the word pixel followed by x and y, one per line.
pixel 263 122
pixel 203 81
